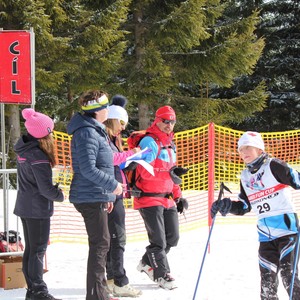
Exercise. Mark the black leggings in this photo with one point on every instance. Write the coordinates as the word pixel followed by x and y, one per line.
pixel 36 235
pixel 115 257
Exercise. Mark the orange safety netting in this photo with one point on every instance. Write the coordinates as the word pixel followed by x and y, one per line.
pixel 210 152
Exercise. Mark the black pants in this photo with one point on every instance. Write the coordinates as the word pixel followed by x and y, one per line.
pixel 162 226
pixel 36 235
pixel 95 219
pixel 274 257
pixel 115 257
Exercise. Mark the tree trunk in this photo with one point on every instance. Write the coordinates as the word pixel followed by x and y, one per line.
pixel 70 100
pixel 14 129
pixel 144 120
pixel 139 51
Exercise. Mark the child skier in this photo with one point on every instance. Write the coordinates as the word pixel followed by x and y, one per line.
pixel 264 186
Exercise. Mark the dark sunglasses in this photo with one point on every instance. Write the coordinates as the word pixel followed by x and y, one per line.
pixel 172 122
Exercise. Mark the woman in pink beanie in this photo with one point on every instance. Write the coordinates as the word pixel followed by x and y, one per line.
pixel 36 193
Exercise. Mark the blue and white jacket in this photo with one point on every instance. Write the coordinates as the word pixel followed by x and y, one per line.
pixel 267 192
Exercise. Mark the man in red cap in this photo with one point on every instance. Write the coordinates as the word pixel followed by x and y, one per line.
pixel 159 198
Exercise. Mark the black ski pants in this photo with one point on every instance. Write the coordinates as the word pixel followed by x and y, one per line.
pixel 115 257
pixel 95 219
pixel 36 235
pixel 162 227
pixel 274 257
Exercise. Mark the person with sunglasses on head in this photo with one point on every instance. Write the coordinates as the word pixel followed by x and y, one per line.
pixel 94 187
pixel 36 193
pixel 160 198
pixel 117 280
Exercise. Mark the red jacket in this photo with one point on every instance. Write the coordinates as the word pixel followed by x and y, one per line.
pixel 162 158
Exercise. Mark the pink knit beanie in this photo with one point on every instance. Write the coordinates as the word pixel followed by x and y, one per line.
pixel 37 124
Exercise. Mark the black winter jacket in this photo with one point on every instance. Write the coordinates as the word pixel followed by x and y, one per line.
pixel 36 191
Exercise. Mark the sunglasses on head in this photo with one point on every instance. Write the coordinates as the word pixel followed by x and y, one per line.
pixel 172 122
pixel 96 103
pixel 103 100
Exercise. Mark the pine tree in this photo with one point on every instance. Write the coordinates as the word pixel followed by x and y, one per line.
pixel 22 15
pixel 179 50
pixel 92 50
pixel 176 52
pixel 78 47
pixel 278 66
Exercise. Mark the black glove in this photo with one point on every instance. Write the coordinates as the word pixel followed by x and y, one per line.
pixel 182 204
pixel 179 171
pixel 176 172
pixel 223 206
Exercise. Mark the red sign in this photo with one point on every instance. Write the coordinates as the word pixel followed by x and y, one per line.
pixel 15 67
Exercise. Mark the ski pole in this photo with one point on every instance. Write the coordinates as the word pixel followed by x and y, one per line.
pixel 295 264
pixel 204 255
pixel 222 187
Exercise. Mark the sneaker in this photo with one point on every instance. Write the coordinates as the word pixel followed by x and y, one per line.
pixel 167 282
pixel 43 296
pixel 126 291
pixel 142 267
pixel 110 286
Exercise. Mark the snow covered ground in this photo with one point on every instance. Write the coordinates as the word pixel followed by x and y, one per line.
pixel 230 269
